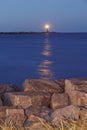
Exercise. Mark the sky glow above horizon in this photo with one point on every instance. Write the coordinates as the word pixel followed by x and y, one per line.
pixel 32 15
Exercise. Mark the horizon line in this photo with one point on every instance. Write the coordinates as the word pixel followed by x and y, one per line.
pixel 2 32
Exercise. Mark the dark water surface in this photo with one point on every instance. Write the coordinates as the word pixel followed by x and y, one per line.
pixel 52 56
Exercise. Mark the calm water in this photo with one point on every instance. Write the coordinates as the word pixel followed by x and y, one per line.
pixel 52 56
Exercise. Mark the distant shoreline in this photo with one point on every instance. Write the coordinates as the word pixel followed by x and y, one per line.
pixel 26 32
pixel 40 32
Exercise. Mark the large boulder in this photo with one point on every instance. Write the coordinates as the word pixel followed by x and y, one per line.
pixel 27 99
pixel 83 114
pixel 43 112
pixel 41 85
pixel 59 100
pixel 78 98
pixel 3 112
pixel 78 84
pixel 1 103
pixel 37 123
pixel 12 115
pixel 16 116
pixel 77 91
pixel 69 112
pixel 8 88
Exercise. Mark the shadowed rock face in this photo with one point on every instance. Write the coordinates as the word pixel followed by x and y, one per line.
pixel 59 100
pixel 69 112
pixel 83 114
pixel 37 126
pixel 27 99
pixel 51 86
pixel 16 115
pixel 8 88
pixel 43 112
pixel 76 85
pixel 1 103
pixel 77 91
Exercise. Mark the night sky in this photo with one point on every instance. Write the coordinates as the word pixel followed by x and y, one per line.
pixel 31 15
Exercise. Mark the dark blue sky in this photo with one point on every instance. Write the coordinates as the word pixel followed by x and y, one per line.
pixel 31 15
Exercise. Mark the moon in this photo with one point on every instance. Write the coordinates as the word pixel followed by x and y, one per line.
pixel 47 26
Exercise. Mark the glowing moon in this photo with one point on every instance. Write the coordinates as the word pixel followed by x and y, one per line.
pixel 47 26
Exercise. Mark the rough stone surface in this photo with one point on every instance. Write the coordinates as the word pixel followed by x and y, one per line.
pixel 36 126
pixel 39 85
pixel 75 85
pixel 59 100
pixel 42 112
pixel 83 114
pixel 69 112
pixel 3 111
pixel 77 91
pixel 1 103
pixel 79 98
pixel 35 118
pixel 27 99
pixel 8 88
pixel 16 115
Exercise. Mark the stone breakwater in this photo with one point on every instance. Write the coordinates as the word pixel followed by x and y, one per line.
pixel 47 100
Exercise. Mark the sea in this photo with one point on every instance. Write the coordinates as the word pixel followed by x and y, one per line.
pixel 42 56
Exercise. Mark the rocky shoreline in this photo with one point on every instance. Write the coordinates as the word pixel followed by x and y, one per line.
pixel 48 100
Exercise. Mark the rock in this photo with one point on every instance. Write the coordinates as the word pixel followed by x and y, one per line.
pixel 75 85
pixel 43 112
pixel 69 112
pixel 83 114
pixel 79 98
pixel 59 100
pixel 34 118
pixel 1 104
pixel 61 83
pixel 3 109
pixel 46 113
pixel 3 112
pixel 77 91
pixel 36 123
pixel 41 85
pixel 37 126
pixel 27 99
pixel 16 116
pixel 8 88
pixel 33 110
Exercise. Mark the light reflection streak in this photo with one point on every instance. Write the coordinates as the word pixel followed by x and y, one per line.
pixel 45 71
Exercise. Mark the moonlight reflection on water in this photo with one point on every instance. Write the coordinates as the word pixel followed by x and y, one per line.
pixel 45 71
